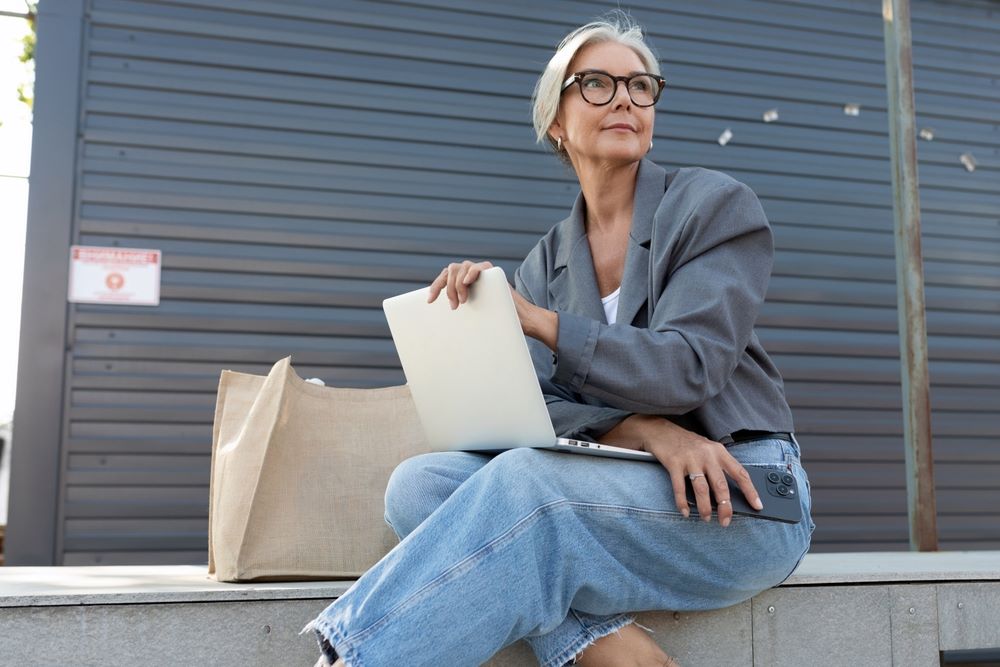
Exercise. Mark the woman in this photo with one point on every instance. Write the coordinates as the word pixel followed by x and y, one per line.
pixel 558 549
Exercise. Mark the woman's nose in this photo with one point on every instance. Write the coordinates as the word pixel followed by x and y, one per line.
pixel 621 95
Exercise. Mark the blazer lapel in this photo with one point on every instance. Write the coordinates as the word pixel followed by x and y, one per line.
pixel 573 287
pixel 650 184
pixel 574 284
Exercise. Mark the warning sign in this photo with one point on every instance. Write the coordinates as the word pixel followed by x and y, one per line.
pixel 126 276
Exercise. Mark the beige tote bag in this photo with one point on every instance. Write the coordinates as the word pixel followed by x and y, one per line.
pixel 299 473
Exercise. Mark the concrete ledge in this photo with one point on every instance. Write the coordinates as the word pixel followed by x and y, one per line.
pixel 860 608
pixel 896 567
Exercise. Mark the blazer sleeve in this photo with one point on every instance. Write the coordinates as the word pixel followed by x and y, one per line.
pixel 570 418
pixel 716 277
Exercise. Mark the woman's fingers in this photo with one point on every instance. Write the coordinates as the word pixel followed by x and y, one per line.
pixel 716 481
pixel 453 277
pixel 740 475
pixel 680 495
pixel 679 468
pixel 473 274
pixel 720 489
pixel 676 472
pixel 438 284
pixel 700 485
pixel 467 275
pixel 455 281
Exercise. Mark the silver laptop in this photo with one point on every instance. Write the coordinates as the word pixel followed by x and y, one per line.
pixel 471 376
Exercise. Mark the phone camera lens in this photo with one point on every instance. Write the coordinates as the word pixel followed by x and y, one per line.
pixel 782 490
pixel 787 480
pixel 773 477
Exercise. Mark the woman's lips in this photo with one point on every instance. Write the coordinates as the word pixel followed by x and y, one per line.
pixel 621 128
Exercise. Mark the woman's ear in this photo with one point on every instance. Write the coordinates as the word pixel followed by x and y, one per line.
pixel 555 129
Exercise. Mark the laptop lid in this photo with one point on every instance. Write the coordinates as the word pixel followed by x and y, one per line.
pixel 469 369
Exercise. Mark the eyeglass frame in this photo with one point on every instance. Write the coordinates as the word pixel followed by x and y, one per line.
pixel 578 78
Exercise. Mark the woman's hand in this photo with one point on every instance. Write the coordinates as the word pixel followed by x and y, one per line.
pixel 456 280
pixel 682 453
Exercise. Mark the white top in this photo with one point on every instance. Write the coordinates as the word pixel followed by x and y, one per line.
pixel 611 305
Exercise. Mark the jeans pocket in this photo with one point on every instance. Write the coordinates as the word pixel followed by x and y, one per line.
pixel 777 454
pixel 794 465
pixel 766 452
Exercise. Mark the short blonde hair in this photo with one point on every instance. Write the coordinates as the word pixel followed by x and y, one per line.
pixel 617 27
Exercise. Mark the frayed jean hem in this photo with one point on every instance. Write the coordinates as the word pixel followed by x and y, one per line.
pixel 568 656
pixel 328 638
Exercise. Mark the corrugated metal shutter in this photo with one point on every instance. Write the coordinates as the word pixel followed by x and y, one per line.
pixel 957 62
pixel 297 162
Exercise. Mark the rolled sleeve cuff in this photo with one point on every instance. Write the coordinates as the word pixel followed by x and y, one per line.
pixel 603 422
pixel 575 345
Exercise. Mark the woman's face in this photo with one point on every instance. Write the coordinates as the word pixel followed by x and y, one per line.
pixel 584 127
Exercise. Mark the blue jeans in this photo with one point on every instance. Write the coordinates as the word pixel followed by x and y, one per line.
pixel 550 547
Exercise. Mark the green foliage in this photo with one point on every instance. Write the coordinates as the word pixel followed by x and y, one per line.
pixel 29 45
pixel 26 91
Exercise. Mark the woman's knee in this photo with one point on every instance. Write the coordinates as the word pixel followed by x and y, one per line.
pixel 530 474
pixel 419 484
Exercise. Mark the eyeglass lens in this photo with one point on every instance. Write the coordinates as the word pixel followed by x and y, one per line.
pixel 600 88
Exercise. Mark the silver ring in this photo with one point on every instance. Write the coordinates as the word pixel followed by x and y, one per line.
pixel 723 502
pixel 696 474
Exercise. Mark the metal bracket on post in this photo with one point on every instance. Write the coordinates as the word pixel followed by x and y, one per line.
pixel 922 508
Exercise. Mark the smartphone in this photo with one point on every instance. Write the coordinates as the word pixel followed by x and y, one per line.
pixel 778 492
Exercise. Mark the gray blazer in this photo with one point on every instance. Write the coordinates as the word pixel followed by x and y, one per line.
pixel 683 346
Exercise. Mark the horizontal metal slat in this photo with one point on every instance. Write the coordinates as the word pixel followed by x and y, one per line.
pixel 857 449
pixel 883 475
pixel 866 531
pixel 893 502
pixel 843 546
pixel 804 394
pixel 137 477
pixel 138 501
pixel 135 534
pixel 203 376
pixel 139 442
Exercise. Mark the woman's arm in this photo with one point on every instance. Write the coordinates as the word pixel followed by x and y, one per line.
pixel 570 418
pixel 718 275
